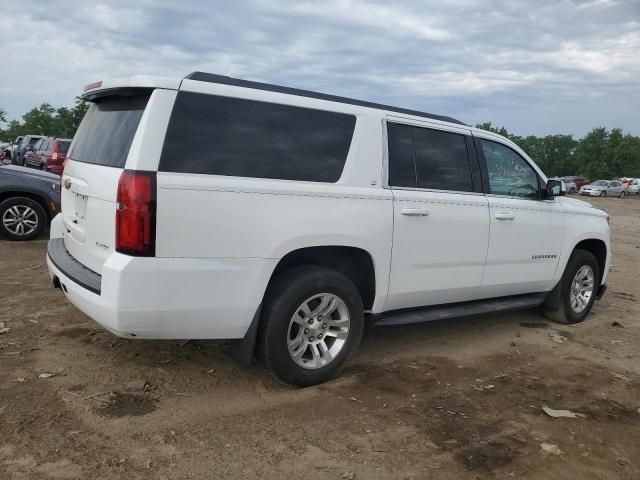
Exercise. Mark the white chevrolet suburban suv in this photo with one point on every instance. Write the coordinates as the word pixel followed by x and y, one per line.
pixel 215 208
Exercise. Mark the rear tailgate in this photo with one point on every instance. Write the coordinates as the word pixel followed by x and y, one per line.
pixel 94 164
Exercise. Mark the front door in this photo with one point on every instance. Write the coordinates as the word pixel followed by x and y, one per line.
pixel 441 219
pixel 526 231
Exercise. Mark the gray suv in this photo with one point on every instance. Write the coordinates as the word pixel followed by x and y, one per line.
pixel 29 199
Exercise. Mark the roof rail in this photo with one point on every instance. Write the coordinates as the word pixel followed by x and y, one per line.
pixel 224 80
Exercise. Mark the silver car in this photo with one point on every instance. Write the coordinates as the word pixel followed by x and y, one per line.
pixel 634 186
pixel 569 186
pixel 604 188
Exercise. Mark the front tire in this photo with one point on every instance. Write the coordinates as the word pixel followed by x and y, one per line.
pixel 312 322
pixel 577 288
pixel 21 218
pixel 622 194
pixel 603 193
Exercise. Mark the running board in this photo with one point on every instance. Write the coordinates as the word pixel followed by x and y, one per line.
pixel 457 310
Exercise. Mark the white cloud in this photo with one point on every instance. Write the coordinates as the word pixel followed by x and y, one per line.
pixel 512 63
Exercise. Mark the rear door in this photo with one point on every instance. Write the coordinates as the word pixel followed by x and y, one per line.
pixel 30 154
pixel 614 188
pixel 44 152
pixel 441 217
pixel 95 161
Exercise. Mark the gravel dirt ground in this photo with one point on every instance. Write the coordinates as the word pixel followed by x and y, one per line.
pixel 459 399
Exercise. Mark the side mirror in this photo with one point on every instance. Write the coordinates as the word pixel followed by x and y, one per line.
pixel 555 188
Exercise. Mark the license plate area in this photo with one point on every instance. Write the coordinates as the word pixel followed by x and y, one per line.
pixel 80 208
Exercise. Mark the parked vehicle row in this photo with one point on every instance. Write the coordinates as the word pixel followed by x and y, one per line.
pixel 301 216
pixel 37 151
pixel 48 154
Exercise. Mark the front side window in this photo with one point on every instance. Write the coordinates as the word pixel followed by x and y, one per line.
pixel 216 135
pixel 427 158
pixel 509 173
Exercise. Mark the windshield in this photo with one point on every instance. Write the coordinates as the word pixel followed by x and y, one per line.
pixel 107 130
pixel 600 183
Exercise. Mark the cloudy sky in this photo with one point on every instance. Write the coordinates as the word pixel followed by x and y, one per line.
pixel 538 67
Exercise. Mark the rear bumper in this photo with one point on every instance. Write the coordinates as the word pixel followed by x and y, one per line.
pixel 165 298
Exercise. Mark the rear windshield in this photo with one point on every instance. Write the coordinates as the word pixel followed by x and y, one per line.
pixel 63 147
pixel 107 130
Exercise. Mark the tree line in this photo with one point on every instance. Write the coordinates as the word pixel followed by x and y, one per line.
pixel 59 122
pixel 601 153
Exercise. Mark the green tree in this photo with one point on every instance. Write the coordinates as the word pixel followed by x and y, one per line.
pixel 47 120
pixel 599 154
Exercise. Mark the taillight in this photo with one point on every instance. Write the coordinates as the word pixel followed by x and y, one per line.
pixel 54 156
pixel 136 214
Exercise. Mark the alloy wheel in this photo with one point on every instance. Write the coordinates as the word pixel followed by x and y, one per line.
pixel 581 289
pixel 20 220
pixel 318 331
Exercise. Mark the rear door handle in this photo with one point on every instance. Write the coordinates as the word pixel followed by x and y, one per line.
pixel 504 216
pixel 415 212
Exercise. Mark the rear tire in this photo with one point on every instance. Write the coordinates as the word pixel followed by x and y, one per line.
pixel 21 219
pixel 292 323
pixel 574 306
pixel 572 191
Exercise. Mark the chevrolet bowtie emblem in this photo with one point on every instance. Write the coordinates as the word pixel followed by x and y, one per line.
pixel 67 183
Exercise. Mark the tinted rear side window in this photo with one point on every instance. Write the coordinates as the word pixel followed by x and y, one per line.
pixel 107 130
pixel 402 167
pixel 426 158
pixel 216 135
pixel 442 160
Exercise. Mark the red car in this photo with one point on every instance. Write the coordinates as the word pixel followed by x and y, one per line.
pixel 48 154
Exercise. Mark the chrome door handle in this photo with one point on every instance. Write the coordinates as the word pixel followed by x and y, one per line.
pixel 415 212
pixel 504 216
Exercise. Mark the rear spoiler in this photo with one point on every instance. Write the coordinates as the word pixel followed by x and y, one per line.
pixel 128 86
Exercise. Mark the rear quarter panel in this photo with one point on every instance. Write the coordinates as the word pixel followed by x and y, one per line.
pixel 213 217
pixel 209 216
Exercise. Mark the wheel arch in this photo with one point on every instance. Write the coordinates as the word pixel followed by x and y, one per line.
pixel 598 248
pixel 355 263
